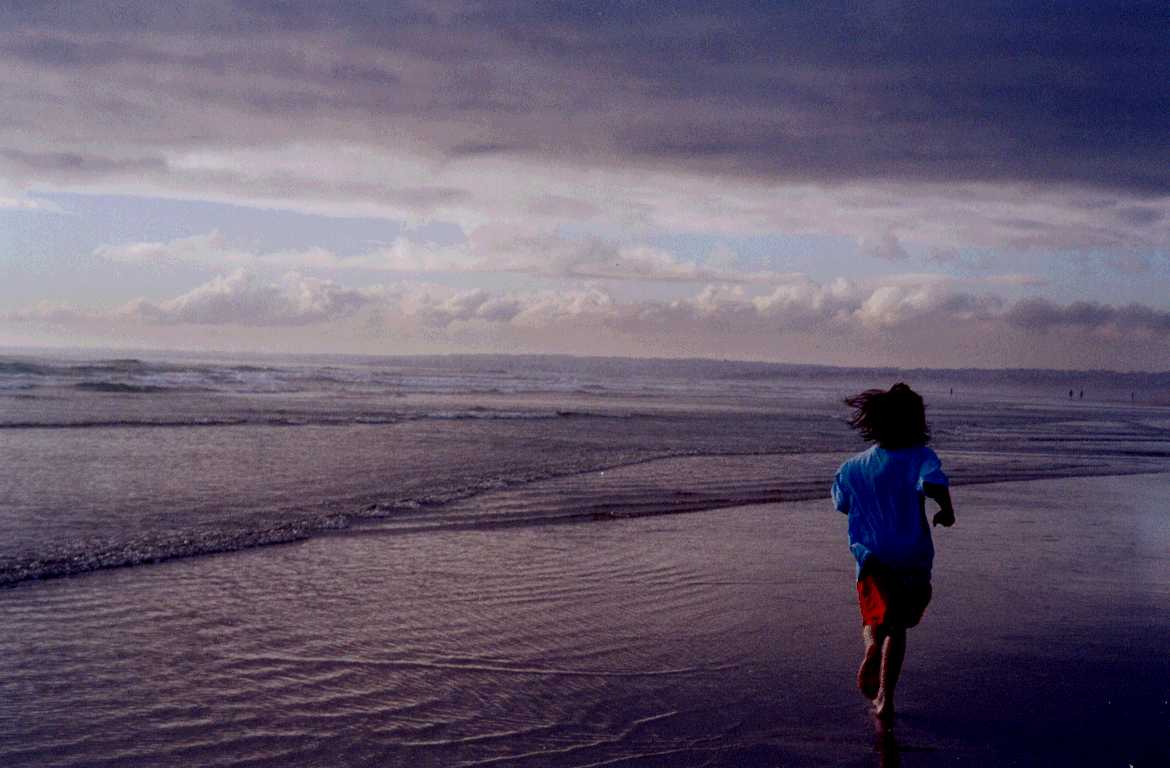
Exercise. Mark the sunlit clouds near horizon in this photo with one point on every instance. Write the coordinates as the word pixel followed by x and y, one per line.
pixel 900 183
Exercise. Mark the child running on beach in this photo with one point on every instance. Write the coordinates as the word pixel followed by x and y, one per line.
pixel 884 492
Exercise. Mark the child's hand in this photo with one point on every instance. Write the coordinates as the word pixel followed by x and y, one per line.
pixel 945 518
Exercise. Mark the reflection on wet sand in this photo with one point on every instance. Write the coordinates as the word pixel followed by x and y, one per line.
pixel 886 745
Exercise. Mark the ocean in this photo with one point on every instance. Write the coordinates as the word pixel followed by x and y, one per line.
pixel 126 461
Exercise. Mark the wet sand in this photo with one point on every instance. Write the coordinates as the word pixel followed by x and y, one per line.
pixel 726 638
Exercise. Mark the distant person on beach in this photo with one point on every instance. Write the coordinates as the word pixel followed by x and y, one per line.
pixel 883 491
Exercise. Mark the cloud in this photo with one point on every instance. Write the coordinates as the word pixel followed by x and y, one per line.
pixel 799 305
pixel 70 166
pixel 885 246
pixel 490 250
pixel 932 95
pixel 440 307
pixel 840 307
pixel 513 249
pixel 213 250
pixel 806 304
pixel 905 320
pixel 1022 126
pixel 407 255
pixel 550 307
pixel 203 249
pixel 470 305
pixel 241 298
pixel 1042 315
pixel 892 305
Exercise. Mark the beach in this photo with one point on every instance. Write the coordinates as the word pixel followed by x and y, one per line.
pixel 548 561
pixel 466 384
pixel 473 384
pixel 725 638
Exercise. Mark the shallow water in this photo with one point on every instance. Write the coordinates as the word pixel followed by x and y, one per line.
pixel 726 638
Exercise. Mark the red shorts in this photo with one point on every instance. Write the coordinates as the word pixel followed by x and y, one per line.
pixel 894 597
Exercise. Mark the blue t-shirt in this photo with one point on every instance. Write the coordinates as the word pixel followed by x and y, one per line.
pixel 881 491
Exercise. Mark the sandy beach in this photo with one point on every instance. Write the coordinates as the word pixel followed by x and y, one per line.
pixel 724 638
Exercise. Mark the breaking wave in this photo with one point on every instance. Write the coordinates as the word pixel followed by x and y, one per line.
pixel 118 387
pixel 655 486
pixel 308 419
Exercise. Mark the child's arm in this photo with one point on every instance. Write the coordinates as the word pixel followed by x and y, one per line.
pixel 941 494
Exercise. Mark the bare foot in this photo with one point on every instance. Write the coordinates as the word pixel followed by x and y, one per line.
pixel 868 676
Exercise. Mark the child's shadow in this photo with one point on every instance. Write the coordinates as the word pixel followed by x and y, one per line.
pixel 889 749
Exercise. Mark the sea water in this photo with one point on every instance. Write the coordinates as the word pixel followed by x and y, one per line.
pixel 120 461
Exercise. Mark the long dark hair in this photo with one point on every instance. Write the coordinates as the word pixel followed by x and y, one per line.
pixel 894 418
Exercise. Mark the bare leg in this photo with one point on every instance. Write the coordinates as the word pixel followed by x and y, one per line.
pixel 893 653
pixel 868 676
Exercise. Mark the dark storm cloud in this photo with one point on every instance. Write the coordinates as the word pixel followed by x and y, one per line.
pixel 1033 92
pixel 49 165
pixel 1041 314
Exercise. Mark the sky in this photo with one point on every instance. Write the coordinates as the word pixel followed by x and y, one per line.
pixel 977 184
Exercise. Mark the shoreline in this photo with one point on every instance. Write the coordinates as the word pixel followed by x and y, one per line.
pixel 368 520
